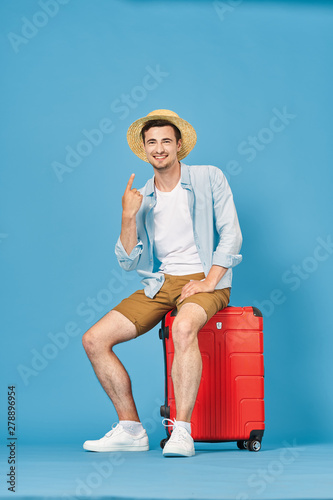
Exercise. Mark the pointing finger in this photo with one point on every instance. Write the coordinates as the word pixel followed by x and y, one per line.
pixel 130 182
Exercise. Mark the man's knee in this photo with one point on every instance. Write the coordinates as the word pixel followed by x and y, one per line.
pixel 96 338
pixel 184 333
pixel 187 324
pixel 90 341
pixel 112 329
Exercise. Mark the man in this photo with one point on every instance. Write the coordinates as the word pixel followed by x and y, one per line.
pixel 181 233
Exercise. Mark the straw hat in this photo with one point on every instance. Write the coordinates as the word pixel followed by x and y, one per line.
pixel 134 139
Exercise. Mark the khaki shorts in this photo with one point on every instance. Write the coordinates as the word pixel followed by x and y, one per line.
pixel 146 313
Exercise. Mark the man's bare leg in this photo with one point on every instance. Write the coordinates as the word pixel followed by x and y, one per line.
pixel 187 364
pixel 113 328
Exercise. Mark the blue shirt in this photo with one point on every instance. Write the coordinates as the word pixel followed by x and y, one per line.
pixel 216 230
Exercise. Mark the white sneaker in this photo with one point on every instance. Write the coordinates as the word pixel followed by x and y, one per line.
pixel 117 439
pixel 180 444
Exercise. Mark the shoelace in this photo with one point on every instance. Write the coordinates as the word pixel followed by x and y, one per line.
pixel 173 422
pixel 114 425
pixel 181 433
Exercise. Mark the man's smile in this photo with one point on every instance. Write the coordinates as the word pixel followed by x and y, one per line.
pixel 160 157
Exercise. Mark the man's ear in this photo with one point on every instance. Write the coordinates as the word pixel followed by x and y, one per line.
pixel 179 145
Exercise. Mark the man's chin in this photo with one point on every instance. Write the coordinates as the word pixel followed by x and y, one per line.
pixel 160 167
pixel 160 164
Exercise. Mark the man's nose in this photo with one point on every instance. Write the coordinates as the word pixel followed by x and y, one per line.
pixel 159 148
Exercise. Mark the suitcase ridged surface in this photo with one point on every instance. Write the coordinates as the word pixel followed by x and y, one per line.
pixel 230 401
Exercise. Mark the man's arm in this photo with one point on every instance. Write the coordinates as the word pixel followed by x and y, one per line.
pixel 215 274
pixel 131 202
pixel 128 248
pixel 226 253
pixel 128 235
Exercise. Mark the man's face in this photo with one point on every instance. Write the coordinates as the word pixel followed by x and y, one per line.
pixel 161 147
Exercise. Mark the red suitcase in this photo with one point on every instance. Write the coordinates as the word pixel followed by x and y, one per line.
pixel 230 400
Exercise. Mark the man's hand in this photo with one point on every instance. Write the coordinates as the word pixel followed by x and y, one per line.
pixel 131 199
pixel 195 286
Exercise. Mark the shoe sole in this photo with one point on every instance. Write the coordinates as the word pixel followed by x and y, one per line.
pixel 175 454
pixel 116 448
pixel 178 453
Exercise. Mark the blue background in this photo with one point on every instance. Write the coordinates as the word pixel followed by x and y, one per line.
pixel 225 70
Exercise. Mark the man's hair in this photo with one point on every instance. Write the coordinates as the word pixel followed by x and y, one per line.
pixel 160 123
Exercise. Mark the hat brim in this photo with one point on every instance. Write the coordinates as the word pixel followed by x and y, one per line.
pixel 135 142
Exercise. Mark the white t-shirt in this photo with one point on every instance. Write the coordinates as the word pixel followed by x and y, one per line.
pixel 174 241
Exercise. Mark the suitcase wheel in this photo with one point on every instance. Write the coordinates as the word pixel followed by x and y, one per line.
pixel 242 445
pixel 254 445
pixel 163 442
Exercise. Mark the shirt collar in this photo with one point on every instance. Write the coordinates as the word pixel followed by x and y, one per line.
pixel 184 179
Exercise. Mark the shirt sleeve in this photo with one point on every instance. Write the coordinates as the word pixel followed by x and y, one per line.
pixel 226 223
pixel 128 262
